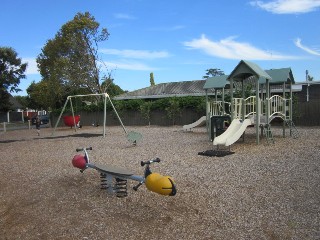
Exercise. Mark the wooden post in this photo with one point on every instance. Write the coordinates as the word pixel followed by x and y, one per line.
pixel 223 103
pixel 243 112
pixel 257 120
pixel 267 106
pixel 104 115
pixel 231 98
pixel 284 107
pixel 74 120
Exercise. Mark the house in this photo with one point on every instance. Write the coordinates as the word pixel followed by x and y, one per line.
pixel 308 91
pixel 164 90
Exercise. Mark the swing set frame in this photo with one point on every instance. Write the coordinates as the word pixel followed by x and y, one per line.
pixel 106 96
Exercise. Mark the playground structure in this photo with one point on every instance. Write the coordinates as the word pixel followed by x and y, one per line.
pixel 200 122
pixel 73 120
pixel 258 110
pixel 114 179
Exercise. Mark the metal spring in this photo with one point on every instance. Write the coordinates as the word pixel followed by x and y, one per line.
pixel 120 187
pixel 104 181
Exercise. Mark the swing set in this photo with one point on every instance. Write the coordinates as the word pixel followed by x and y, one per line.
pixel 73 120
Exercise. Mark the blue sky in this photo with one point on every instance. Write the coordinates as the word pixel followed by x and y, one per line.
pixel 177 40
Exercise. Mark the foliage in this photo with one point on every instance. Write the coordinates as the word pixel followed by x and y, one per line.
pixel 248 91
pixel 70 61
pixel 295 106
pixel 111 88
pixel 173 106
pixel 145 109
pixel 11 72
pixel 310 78
pixel 197 103
pixel 212 72
pixel 152 83
pixel 173 110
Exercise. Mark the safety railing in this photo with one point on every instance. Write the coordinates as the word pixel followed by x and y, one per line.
pixel 215 108
pixel 279 107
pixel 248 105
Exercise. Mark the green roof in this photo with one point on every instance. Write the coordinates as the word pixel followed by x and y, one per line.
pixel 282 75
pixel 246 69
pixel 216 82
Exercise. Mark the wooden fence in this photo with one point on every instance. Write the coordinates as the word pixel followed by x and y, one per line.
pixel 304 114
pixel 134 118
pixel 307 113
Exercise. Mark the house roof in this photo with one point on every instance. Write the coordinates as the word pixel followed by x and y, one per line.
pixel 172 89
pixel 14 102
pixel 244 70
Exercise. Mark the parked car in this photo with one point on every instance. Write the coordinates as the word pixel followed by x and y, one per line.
pixel 44 119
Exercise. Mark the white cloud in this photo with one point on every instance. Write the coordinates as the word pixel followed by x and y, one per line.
pixel 32 65
pixel 168 29
pixel 230 49
pixel 124 16
pixel 127 65
pixel 297 42
pixel 136 54
pixel 288 6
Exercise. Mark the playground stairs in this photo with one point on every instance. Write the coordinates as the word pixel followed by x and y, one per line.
pixel 267 132
pixel 293 130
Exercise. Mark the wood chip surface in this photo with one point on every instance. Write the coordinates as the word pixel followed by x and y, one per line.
pixel 265 191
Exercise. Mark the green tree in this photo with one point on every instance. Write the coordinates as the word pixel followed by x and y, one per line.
pixel 39 98
pixel 71 58
pixel 173 110
pixel 152 83
pixel 11 72
pixel 145 109
pixel 212 72
pixel 111 88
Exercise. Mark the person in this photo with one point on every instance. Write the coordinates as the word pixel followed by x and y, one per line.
pixel 38 123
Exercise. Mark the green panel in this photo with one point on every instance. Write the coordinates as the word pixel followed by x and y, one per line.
pixel 282 75
pixel 216 82
pixel 246 69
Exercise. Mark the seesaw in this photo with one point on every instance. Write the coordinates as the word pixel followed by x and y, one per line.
pixel 114 179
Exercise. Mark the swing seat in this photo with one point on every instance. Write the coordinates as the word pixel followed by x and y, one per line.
pixel 68 120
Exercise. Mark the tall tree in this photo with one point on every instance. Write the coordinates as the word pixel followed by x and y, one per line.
pixel 152 83
pixel 71 58
pixel 111 88
pixel 212 72
pixel 11 72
